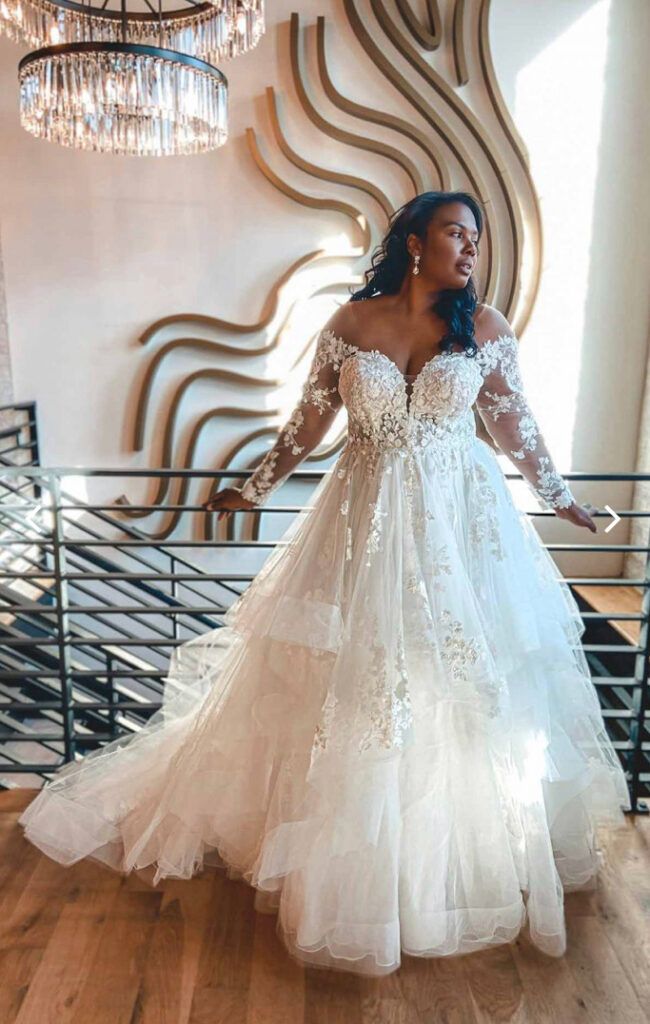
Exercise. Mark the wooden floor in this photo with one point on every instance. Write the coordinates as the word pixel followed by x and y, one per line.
pixel 88 946
pixel 615 599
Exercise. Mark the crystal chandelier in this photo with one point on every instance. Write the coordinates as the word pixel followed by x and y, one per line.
pixel 209 30
pixel 126 81
pixel 123 98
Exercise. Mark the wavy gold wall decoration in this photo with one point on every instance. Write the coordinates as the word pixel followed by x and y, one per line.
pixel 333 131
pixel 196 345
pixel 458 43
pixel 210 347
pixel 413 96
pixel 335 177
pixel 269 306
pixel 319 203
pixel 306 200
pixel 320 455
pixel 476 130
pixel 427 37
pixel 437 103
pixel 386 120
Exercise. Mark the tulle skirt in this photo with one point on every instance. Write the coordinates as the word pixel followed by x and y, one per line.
pixel 394 736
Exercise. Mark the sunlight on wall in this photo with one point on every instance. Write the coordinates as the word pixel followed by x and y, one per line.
pixel 558 109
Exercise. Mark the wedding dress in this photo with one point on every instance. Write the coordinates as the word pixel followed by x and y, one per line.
pixel 394 736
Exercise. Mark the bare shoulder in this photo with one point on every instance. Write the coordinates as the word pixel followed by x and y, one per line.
pixel 351 320
pixel 489 323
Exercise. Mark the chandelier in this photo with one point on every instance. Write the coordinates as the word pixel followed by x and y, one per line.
pixel 210 30
pixel 126 81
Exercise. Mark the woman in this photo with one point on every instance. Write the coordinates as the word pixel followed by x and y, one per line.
pixel 394 737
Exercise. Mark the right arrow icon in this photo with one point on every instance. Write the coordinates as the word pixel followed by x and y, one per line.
pixel 614 521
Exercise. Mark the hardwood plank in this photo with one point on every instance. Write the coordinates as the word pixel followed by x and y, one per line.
pixel 111 993
pixel 277 983
pixel 79 932
pixel 602 982
pixel 173 957
pixel 86 944
pixel 615 599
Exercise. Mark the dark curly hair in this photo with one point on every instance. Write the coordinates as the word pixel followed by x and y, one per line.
pixel 390 262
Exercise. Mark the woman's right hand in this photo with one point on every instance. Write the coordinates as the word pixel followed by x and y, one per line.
pixel 228 500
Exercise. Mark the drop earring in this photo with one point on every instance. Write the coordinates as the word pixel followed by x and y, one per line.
pixel 416 268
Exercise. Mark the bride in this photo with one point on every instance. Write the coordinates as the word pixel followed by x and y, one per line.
pixel 394 736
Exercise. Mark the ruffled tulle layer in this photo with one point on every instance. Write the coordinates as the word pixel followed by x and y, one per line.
pixel 394 736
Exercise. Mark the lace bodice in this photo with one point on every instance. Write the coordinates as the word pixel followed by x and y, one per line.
pixel 433 407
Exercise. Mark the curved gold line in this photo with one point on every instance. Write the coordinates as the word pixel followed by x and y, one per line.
pixel 384 119
pixel 200 345
pixel 521 153
pixel 206 373
pixel 472 124
pixel 124 501
pixel 333 131
pixel 428 39
pixel 317 456
pixel 458 43
pixel 195 345
pixel 269 307
pixel 188 462
pixel 312 201
pixel 437 123
pixel 336 177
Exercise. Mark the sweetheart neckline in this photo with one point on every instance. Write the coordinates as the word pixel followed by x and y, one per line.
pixel 409 376
pixel 404 378
pixel 437 355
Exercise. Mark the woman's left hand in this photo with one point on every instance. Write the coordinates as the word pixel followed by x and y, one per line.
pixel 578 515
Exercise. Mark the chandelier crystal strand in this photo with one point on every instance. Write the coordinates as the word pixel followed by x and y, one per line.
pixel 123 98
pixel 209 30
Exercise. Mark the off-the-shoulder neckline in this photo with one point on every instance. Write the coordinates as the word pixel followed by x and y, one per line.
pixel 438 355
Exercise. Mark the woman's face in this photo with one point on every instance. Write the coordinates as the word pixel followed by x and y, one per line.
pixel 451 241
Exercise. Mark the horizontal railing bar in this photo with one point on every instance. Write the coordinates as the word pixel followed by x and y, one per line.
pixel 613 681
pixel 132 705
pixel 146 542
pixel 75 641
pixel 46 737
pixel 210 609
pixel 16 406
pixel 30 768
pixel 116 673
pixel 113 609
pixel 162 641
pixel 207 577
pixel 29 673
pixel 612 649
pixel 17 447
pixel 161 507
pixel 617 616
pixel 165 471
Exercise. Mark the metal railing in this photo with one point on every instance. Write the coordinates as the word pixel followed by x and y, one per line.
pixel 91 607
pixel 19 435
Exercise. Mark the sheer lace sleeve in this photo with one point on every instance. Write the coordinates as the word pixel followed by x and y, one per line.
pixel 511 423
pixel 307 424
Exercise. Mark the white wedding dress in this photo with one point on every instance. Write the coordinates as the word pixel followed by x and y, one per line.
pixel 394 737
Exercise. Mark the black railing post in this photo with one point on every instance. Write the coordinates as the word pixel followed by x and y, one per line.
pixel 62 617
pixel 174 594
pixel 640 696
pixel 112 696
pixel 34 446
